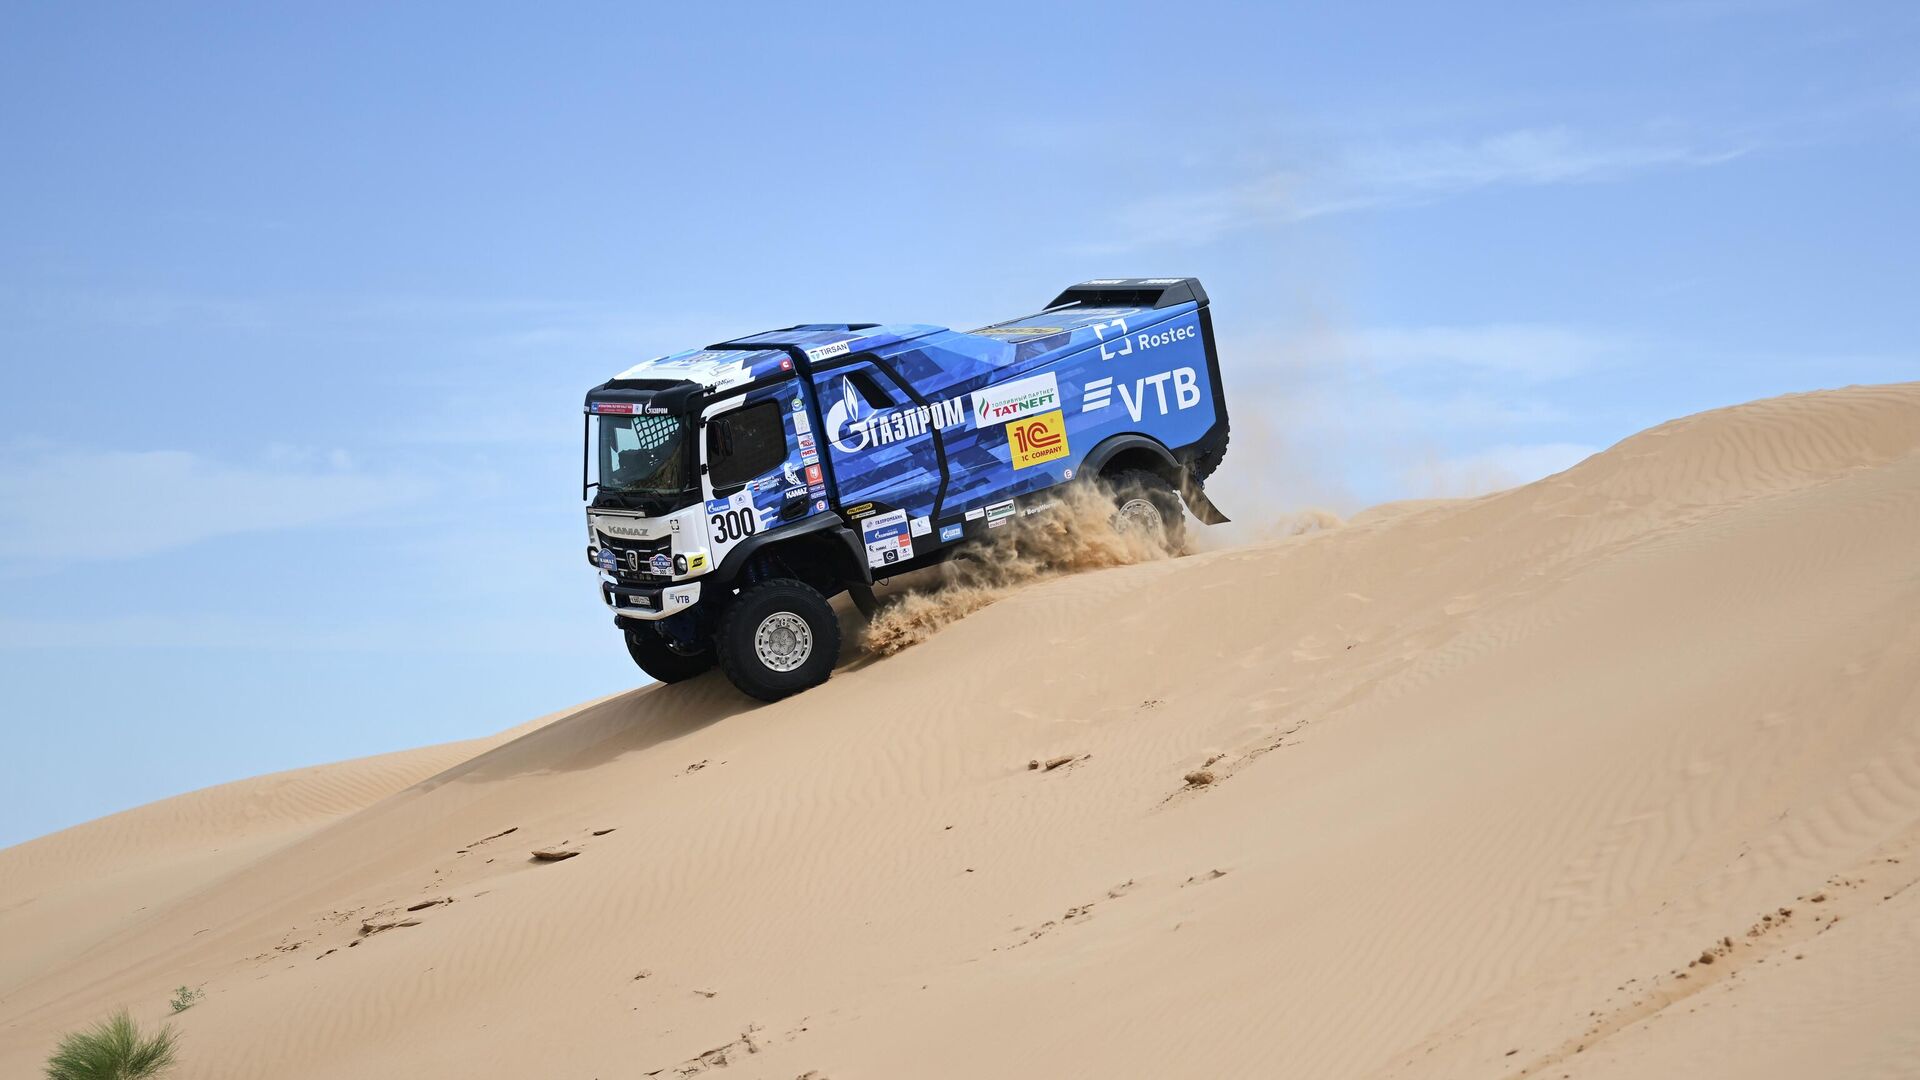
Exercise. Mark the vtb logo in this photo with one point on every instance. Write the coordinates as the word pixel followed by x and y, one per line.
pixel 1035 440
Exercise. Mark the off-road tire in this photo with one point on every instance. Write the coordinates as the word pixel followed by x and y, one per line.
pixel 751 630
pixel 1135 489
pixel 661 660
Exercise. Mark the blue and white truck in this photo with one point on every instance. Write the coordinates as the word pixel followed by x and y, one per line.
pixel 732 491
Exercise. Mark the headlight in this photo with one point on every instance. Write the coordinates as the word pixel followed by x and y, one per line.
pixel 680 564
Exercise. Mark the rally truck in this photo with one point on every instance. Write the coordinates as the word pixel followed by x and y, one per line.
pixel 733 491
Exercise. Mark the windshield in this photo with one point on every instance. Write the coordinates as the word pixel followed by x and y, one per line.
pixel 643 455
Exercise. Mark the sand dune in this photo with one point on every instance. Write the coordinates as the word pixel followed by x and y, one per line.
pixel 1613 775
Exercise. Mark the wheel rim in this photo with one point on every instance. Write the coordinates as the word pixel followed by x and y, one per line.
pixel 1140 512
pixel 783 641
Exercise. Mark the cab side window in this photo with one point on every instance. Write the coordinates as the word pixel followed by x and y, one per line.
pixel 745 443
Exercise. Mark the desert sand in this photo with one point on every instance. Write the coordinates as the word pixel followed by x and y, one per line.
pixel 1616 774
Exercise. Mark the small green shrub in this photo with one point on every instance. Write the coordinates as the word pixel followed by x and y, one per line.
pixel 113 1049
pixel 186 997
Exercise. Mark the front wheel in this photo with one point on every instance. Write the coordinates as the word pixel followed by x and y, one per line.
pixel 658 657
pixel 778 638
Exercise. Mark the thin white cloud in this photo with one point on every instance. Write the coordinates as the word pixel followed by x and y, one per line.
pixel 87 505
pixel 1385 175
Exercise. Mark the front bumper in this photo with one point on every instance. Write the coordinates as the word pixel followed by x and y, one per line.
pixel 649 603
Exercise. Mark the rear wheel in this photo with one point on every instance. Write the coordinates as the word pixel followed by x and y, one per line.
pixel 659 658
pixel 778 638
pixel 1147 502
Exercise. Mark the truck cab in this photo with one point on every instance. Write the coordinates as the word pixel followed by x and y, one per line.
pixel 732 491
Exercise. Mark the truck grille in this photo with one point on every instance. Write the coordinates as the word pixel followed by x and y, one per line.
pixel 644 562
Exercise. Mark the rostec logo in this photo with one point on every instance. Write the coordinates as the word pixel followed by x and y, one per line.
pixel 853 427
pixel 1037 440
pixel 1012 400
pixel 1098 393
pixel 1151 339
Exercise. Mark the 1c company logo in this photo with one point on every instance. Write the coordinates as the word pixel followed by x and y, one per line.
pixel 1036 440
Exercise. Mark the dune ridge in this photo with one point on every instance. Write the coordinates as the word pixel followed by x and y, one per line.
pixel 1615 774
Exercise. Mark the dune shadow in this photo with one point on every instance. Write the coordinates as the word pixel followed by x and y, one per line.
pixel 628 723
pixel 639 719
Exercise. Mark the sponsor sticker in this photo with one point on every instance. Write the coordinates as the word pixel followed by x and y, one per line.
pixel 1106 281
pixel 859 511
pixel 919 526
pixel 999 511
pixel 718 506
pixel 1037 440
pixel 976 513
pixel 853 426
pixel 786 364
pixel 806 443
pixel 819 506
pixel 1148 392
pixel 887 538
pixel 950 533
pixel 813 474
pixel 607 561
pixel 1015 399
pixel 625 408
pixel 661 564
pixel 696 562
pixel 802 426
pixel 1153 339
pixel 828 352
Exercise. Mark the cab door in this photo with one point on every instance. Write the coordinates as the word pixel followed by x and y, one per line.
pixel 755 474
pixel 888 462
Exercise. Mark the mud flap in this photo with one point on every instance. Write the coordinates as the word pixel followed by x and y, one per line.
pixel 1201 506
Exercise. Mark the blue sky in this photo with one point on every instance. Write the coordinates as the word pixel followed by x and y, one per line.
pixel 297 304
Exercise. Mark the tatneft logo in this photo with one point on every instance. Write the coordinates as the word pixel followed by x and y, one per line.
pixel 853 427
pixel 1013 400
pixel 1037 440
pixel 1098 393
